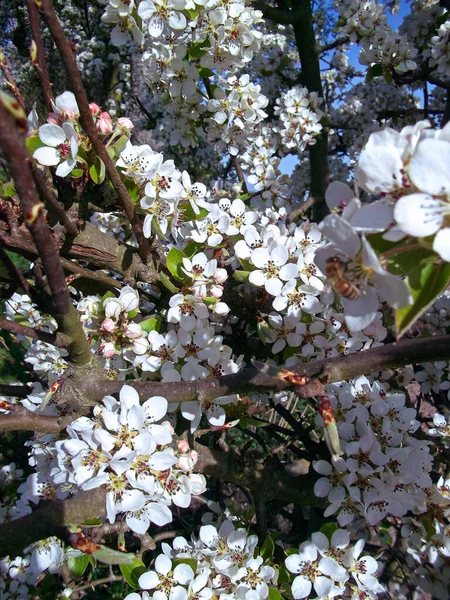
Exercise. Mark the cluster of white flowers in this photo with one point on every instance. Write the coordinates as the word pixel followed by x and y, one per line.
pixel 125 448
pixel 300 113
pixel 327 565
pixel 21 309
pixel 61 143
pixel 366 23
pixel 385 470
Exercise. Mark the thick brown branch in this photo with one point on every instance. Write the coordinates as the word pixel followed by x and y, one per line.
pixel 323 371
pixel 48 518
pixel 93 246
pixel 21 419
pixel 57 339
pixel 70 63
pixel 251 474
pixel 15 391
pixel 65 314
pixel 305 40
pixel 39 63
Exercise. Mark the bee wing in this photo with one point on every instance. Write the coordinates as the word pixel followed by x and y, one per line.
pixel 266 368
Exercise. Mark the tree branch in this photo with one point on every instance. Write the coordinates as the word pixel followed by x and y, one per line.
pixel 48 518
pixel 93 246
pixel 11 81
pixel 88 124
pixel 64 312
pixel 22 419
pixel 15 391
pixel 39 62
pixel 305 40
pixel 51 201
pixel 337 42
pixel 321 372
pixel 57 339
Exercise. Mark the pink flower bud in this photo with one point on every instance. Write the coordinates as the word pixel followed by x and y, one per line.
pixel 95 108
pixel 220 275
pixel 104 123
pixel 125 123
pixel 133 331
pixel 168 426
pixel 216 291
pixel 183 446
pixel 107 349
pixel 68 115
pixel 140 345
pixel 54 119
pixel 109 325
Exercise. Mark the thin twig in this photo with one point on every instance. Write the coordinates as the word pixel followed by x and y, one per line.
pixel 39 63
pixel 88 124
pixel 51 201
pixel 11 81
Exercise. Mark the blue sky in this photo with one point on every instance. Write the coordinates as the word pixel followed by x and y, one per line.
pixel 288 163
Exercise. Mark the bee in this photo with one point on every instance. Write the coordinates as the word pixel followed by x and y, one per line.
pixel 337 275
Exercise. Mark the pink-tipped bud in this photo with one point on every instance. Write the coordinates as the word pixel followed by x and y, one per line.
pixel 95 108
pixel 104 123
pixel 107 349
pixel 125 123
pixel 220 276
pixel 133 331
pixel 183 446
pixel 109 325
pixel 54 119
pixel 216 291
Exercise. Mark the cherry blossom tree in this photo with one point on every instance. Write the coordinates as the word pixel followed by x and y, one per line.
pixel 237 378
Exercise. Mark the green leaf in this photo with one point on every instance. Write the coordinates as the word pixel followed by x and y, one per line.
pixel 133 189
pixel 113 557
pixel 185 561
pixel 8 189
pixel 120 144
pixel 241 275
pixel 168 284
pixel 190 215
pixel 150 324
pixel 267 549
pixel 33 143
pixel 204 71
pixel 132 572
pixel 102 171
pixel 274 594
pixel 76 173
pixel 77 565
pixel 425 281
pixel 284 576
pixel 111 152
pixel 94 174
pixel 175 262
pixel 264 331
pixel 328 529
pixel 104 297
pixel 92 523
pixel 193 248
pixel 374 71
pixel 404 262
